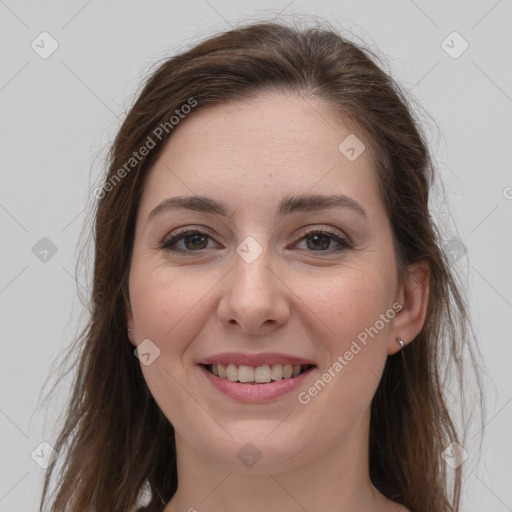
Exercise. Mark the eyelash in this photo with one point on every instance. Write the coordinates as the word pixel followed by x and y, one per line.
pixel 169 243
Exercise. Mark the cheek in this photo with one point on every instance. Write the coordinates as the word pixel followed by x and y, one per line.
pixel 168 306
pixel 350 306
pixel 169 310
pixel 348 303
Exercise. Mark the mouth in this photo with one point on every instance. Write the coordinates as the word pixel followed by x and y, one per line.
pixel 263 374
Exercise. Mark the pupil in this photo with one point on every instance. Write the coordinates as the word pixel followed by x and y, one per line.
pixel 195 238
pixel 316 238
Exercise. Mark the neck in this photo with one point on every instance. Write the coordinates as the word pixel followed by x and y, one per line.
pixel 337 479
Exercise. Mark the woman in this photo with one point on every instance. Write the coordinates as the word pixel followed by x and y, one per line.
pixel 271 308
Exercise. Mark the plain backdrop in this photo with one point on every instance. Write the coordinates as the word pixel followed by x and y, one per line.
pixel 69 71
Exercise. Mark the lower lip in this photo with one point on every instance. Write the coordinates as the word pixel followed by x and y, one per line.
pixel 256 392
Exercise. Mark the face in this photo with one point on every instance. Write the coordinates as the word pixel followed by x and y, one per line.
pixel 260 280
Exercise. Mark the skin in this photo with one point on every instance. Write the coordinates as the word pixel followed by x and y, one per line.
pixel 294 298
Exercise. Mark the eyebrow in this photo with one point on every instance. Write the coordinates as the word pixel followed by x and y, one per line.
pixel 290 204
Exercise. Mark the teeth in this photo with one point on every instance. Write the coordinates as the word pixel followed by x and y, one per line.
pixel 245 373
pixel 232 372
pixel 276 371
pixel 262 374
pixel 259 374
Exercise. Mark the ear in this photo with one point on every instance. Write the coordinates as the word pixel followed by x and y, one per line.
pixel 413 294
pixel 130 325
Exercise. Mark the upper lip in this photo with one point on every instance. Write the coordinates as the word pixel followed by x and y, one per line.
pixel 260 359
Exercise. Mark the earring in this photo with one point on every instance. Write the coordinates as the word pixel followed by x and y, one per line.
pixel 130 329
pixel 400 342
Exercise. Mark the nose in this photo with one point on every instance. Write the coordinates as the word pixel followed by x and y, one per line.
pixel 254 298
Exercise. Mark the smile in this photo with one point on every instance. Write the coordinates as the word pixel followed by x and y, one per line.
pixel 256 374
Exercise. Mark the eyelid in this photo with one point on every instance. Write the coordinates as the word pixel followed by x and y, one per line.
pixel 178 235
pixel 187 229
pixel 343 240
pixel 330 230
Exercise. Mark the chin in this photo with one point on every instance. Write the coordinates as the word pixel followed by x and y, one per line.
pixel 256 446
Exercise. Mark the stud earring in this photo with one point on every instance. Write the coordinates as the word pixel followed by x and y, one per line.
pixel 401 342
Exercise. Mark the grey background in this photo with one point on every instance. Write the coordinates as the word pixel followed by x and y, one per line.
pixel 59 114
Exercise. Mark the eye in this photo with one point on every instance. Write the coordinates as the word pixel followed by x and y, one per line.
pixel 320 240
pixel 194 240
pixel 189 240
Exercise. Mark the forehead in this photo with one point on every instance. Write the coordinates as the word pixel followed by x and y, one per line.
pixel 263 149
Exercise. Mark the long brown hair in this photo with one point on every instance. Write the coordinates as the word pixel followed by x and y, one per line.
pixel 115 441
